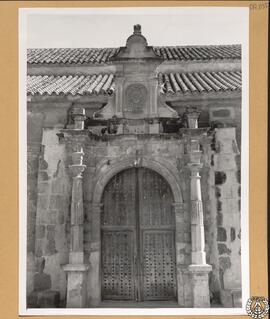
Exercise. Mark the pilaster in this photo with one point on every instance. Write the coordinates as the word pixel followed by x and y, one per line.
pixel 76 269
pixel 199 269
pixel 95 257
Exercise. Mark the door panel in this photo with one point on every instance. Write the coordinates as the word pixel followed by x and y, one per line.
pixel 157 237
pixel 137 225
pixel 118 265
pixel 158 265
pixel 155 200
pixel 119 200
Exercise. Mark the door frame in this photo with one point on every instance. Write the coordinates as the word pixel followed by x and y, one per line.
pixel 170 173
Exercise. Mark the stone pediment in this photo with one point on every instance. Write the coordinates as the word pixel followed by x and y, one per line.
pixel 136 48
pixel 136 91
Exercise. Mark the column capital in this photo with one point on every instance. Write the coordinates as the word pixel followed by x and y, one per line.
pixel 77 170
pixel 195 168
pixel 77 116
pixel 192 115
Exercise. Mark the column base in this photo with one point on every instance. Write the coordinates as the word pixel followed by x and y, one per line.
pixel 198 257
pixel 76 285
pixel 200 285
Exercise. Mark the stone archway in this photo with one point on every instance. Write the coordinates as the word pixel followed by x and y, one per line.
pixel 104 175
pixel 165 169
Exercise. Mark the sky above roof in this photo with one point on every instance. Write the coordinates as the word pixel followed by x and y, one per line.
pixel 110 27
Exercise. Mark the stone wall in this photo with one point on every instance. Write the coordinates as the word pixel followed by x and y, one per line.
pixel 223 223
pixel 34 136
pixel 52 217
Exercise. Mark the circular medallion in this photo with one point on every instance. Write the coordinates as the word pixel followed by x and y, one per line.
pixel 136 96
pixel 257 307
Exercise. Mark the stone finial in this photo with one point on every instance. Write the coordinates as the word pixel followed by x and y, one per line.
pixel 77 117
pixel 137 29
pixel 192 115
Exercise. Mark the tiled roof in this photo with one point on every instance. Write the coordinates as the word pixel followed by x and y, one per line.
pixel 171 83
pixel 196 82
pixel 69 56
pixel 70 84
pixel 199 52
pixel 99 56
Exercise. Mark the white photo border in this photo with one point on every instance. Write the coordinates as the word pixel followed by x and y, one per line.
pixel 23 310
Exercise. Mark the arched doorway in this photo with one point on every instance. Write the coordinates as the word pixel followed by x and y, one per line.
pixel 138 237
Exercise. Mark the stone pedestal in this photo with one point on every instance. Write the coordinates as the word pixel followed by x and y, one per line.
pixel 76 285
pixel 200 285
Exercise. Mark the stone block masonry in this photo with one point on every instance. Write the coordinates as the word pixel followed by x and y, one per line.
pixel 53 201
pixel 227 204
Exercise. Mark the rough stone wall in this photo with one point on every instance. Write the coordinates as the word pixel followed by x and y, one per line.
pixel 52 217
pixel 222 212
pixel 34 136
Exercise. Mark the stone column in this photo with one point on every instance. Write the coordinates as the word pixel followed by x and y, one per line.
pixel 199 269
pixel 95 257
pixel 76 269
pixel 197 227
pixel 119 82
pixel 180 244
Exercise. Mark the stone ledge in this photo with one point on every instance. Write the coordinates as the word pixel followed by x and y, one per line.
pixel 196 269
pixel 75 267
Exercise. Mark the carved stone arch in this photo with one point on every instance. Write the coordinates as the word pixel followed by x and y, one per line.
pixel 165 170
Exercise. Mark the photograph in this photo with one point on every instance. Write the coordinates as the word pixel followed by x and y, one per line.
pixel 134 160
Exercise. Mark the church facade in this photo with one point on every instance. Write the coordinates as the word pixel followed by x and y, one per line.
pixel 133 170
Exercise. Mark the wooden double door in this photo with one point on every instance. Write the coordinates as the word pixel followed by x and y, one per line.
pixel 137 234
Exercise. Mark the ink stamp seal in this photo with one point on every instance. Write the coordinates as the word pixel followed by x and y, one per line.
pixel 257 307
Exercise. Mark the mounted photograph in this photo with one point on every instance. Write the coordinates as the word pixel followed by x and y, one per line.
pixel 134 161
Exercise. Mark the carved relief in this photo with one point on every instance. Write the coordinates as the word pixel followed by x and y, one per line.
pixel 135 97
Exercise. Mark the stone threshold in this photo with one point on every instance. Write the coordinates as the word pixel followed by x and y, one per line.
pixel 143 304
pixel 134 304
